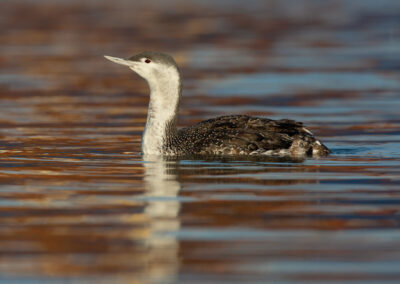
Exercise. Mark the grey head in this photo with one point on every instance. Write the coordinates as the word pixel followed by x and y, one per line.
pixel 152 66
pixel 158 57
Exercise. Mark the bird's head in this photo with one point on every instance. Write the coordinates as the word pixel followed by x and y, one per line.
pixel 154 67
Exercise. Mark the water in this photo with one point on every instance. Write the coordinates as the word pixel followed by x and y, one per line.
pixel 79 204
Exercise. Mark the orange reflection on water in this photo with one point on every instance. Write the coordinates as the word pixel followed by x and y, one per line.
pixel 78 202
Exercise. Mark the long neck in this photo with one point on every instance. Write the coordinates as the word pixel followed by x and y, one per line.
pixel 161 125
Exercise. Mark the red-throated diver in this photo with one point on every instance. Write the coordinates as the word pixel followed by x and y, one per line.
pixel 225 135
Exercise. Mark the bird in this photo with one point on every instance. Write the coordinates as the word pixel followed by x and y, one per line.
pixel 227 135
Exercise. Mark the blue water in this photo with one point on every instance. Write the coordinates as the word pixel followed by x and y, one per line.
pixel 79 204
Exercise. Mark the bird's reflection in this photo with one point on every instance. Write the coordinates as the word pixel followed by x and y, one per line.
pixel 163 204
pixel 162 209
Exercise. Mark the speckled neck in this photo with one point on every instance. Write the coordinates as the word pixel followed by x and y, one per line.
pixel 161 125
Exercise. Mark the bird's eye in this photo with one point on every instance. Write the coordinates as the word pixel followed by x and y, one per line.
pixel 147 60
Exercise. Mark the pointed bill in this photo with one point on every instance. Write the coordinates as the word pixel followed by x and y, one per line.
pixel 117 60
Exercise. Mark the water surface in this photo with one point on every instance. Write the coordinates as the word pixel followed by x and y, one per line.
pixel 78 203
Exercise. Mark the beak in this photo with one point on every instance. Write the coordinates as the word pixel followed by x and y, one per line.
pixel 121 61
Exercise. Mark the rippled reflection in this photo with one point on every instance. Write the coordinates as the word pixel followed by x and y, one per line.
pixel 162 209
pixel 78 203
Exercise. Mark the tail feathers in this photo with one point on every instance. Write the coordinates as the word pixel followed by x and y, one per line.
pixel 319 149
pixel 307 145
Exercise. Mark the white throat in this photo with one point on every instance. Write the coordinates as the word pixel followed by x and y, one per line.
pixel 165 91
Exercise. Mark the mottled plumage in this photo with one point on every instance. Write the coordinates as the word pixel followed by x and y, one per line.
pixel 225 135
pixel 245 135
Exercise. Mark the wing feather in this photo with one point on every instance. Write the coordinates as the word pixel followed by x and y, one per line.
pixel 240 134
